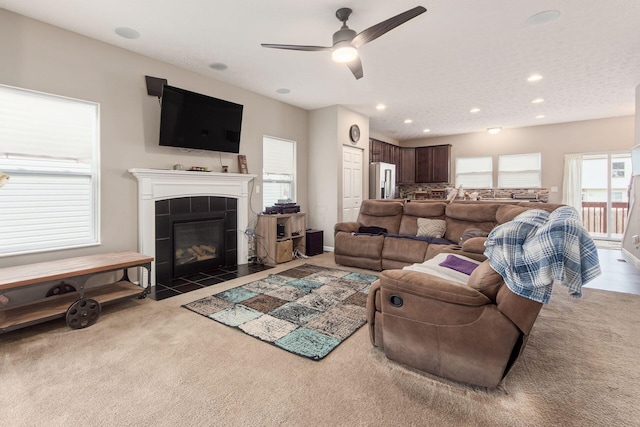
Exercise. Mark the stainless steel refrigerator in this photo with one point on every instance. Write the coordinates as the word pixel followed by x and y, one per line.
pixel 382 180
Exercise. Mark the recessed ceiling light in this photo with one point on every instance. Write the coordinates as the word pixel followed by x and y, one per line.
pixel 474 110
pixel 537 101
pixel 283 90
pixel 534 78
pixel 426 130
pixel 407 121
pixel 380 107
pixel 543 17
pixel 540 116
pixel 127 33
pixel 494 131
pixel 219 66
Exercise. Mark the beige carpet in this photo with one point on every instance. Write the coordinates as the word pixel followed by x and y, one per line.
pixel 148 363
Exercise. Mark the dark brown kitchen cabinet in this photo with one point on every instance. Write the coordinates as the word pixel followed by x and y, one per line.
pixel 395 156
pixel 433 164
pixel 383 152
pixel 375 151
pixel 406 169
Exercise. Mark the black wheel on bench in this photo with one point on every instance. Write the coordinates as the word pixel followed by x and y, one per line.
pixel 83 313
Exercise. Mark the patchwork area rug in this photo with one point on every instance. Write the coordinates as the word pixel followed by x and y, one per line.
pixel 307 310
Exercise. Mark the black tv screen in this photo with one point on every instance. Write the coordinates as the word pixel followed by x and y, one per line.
pixel 193 120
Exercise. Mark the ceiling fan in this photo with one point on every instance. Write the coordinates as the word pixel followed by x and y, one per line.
pixel 346 42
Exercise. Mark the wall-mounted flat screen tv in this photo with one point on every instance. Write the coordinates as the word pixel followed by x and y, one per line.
pixel 193 120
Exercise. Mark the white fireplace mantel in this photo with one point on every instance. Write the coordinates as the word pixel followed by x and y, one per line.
pixel 161 184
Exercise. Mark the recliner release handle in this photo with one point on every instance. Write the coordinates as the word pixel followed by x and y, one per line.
pixel 396 300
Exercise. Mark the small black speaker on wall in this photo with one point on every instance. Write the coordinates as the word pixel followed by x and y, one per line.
pixel 155 85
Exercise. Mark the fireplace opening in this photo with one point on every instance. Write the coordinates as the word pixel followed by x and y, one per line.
pixel 194 235
pixel 197 246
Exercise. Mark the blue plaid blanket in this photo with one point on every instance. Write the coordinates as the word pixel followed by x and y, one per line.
pixel 538 248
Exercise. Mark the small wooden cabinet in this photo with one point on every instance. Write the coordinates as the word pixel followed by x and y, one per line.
pixel 280 236
pixel 433 164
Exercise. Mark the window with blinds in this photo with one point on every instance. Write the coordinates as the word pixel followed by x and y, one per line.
pixel 474 172
pixel 278 170
pixel 49 147
pixel 520 170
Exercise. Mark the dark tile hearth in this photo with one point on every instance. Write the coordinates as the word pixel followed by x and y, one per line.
pixel 203 279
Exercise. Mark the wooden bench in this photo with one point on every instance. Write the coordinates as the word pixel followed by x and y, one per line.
pixel 66 295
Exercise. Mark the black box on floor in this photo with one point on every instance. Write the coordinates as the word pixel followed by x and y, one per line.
pixel 314 242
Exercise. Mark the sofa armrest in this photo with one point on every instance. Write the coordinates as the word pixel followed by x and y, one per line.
pixel 427 286
pixel 474 245
pixel 347 227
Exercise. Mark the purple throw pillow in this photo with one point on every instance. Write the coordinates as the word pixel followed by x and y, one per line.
pixel 459 264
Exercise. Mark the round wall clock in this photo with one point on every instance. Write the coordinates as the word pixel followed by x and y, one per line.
pixel 354 134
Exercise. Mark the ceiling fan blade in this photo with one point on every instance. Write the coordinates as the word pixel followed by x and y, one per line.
pixel 356 68
pixel 296 47
pixel 383 27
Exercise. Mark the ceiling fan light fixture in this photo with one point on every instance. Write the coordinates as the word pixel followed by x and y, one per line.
pixel 346 41
pixel 344 53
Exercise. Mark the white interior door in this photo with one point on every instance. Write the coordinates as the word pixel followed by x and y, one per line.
pixel 351 182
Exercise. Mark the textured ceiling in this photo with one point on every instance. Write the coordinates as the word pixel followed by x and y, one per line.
pixel 458 55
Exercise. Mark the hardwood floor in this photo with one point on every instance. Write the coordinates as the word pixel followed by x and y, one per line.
pixel 618 275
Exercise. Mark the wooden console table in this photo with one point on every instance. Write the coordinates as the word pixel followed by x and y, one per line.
pixel 66 295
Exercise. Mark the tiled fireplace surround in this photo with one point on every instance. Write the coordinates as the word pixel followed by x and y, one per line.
pixel 194 214
pixel 157 185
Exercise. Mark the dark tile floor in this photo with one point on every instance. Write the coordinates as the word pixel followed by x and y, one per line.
pixel 618 274
pixel 201 280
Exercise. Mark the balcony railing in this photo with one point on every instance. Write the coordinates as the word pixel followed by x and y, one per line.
pixel 595 217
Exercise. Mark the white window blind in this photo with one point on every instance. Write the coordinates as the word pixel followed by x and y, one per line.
pixel 278 170
pixel 48 146
pixel 520 170
pixel 474 172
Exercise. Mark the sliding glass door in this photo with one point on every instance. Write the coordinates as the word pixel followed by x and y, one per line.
pixel 605 194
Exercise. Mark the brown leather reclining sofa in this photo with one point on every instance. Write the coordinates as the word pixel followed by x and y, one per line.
pixel 470 333
pixel 388 251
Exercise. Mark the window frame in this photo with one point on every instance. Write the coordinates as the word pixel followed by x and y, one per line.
pixel 475 173
pixel 26 168
pixel 503 173
pixel 279 178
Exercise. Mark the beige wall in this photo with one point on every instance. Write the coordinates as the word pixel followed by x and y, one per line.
pixel 323 170
pixel 553 141
pixel 328 133
pixel 383 138
pixel 45 58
